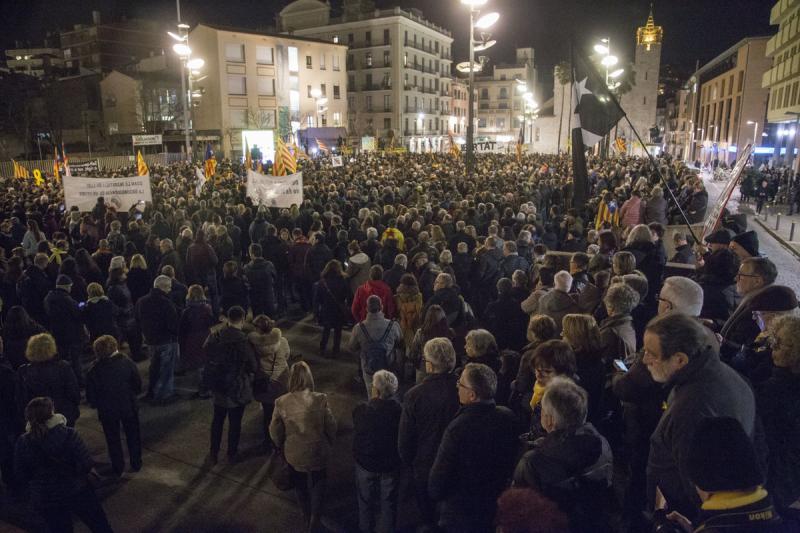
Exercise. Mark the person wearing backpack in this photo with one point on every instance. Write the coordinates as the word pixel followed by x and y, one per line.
pixel 375 339
pixel 229 375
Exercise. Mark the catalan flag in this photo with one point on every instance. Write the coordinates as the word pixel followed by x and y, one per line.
pixel 20 171
pixel 56 169
pixel 277 162
pixel 248 159
pixel 455 151
pixel 322 146
pixel 520 142
pixel 141 165
pixel 621 145
pixel 299 153
pixel 288 159
pixel 211 163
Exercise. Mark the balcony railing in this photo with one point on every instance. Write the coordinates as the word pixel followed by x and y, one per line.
pixel 377 87
pixel 416 46
pixel 368 44
pixel 376 64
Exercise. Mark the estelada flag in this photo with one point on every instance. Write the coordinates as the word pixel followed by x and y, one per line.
pixel 56 170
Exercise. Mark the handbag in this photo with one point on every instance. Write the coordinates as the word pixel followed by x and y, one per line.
pixel 279 471
pixel 266 389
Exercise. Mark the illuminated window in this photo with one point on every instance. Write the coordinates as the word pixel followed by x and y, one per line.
pixel 293 59
pixel 264 55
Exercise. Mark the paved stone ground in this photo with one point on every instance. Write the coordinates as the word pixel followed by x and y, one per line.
pixel 177 491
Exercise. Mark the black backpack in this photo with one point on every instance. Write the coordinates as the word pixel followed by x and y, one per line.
pixel 376 355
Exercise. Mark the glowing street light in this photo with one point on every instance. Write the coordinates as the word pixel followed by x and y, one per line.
pixel 196 63
pixel 474 3
pixel 179 38
pixel 601 49
pixel 182 50
pixel 609 61
pixel 487 21
pixel 485 46
pixel 617 73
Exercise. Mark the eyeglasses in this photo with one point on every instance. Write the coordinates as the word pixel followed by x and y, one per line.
pixel 462 386
pixel 660 299
pixel 740 275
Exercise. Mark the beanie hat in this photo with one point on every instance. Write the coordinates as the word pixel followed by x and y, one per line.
pixel 374 304
pixel 749 241
pixel 774 298
pixel 721 236
pixel 722 457
pixel 63 281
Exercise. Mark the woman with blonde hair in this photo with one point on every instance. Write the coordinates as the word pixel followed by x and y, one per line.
pixel 272 377
pixel 304 428
pixel 583 336
pixel 98 314
pixel 139 280
pixel 47 376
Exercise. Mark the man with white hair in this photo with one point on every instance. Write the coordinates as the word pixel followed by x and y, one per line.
pixel 460 236
pixel 476 456
pixel 427 410
pixel 557 303
pixel 680 294
pixel 158 318
pixel 375 430
pixel 392 276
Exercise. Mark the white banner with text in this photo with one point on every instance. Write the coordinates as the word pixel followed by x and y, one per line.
pixel 275 191
pixel 119 192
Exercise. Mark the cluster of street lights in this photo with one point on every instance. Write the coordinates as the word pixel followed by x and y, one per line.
pixel 483 23
pixel 609 61
pixel 319 104
pixel 530 109
pixel 190 73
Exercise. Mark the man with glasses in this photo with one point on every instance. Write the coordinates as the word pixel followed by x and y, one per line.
pixel 740 330
pixel 427 410
pixel 476 457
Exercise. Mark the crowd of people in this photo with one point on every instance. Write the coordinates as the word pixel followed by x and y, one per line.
pixel 531 363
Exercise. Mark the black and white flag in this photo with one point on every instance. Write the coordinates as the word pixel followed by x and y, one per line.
pixel 595 112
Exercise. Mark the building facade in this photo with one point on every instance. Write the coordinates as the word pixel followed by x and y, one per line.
pixel 783 49
pixel 272 84
pixel 398 69
pixel 500 100
pixel 731 104
pixel 43 62
pixel 460 108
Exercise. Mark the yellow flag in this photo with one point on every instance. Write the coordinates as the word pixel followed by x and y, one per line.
pixel 56 171
pixel 37 177
pixel 287 158
pixel 248 159
pixel 141 165
pixel 277 165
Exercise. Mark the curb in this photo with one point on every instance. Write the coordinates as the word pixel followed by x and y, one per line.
pixel 791 249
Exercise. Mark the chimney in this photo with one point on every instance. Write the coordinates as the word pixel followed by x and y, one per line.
pixel 95 17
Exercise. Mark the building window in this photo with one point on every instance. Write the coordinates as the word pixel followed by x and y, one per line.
pixel 294 83
pixel 294 100
pixel 503 92
pixel 335 39
pixel 266 86
pixel 386 36
pixel 368 38
pixel 238 118
pixel 645 75
pixel 386 62
pixel 309 63
pixel 293 59
pixel 405 59
pixel 308 88
pixel 484 94
pixel 324 118
pixel 369 103
pixel 481 122
pixel 310 121
pixel 644 100
pixel 369 60
pixel 336 92
pixel 335 62
pixel 387 103
pixel 350 39
pixel 234 52
pixel 351 102
pixel 264 55
pixel 501 123
pixel 387 123
pixel 337 118
pixel 237 84
pixel 322 61
pixel 323 89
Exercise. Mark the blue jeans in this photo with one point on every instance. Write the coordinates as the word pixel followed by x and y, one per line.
pixel 377 500
pixel 166 357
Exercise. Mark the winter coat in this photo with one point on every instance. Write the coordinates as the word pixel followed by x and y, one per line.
pixel 297 259
pixel 449 299
pixel 32 289
pixel 378 288
pixel 158 318
pixel 261 277
pixel 376 325
pixel 408 303
pixel 358 270
pixel 193 328
pixel 392 277
pixel 55 468
pixel 303 427
pixel 426 279
pixel 385 255
pixel 234 292
pixel 53 378
pixel 573 467
pixel 276 252
pixel 506 320
pixel 333 295
pixel 65 319
pixel 203 261
pixel 779 412
pixel 650 262
pixel 696 210
pixel 630 212
pixel 15 342
pixel 139 282
pixel 232 353
pixel 173 259
pixel 511 263
pixel 618 338
pixel 740 330
pixel 720 299
pixel 428 408
pixel 375 428
pixel 272 352
pixel 120 296
pixel 98 315
pixel 557 304
pixel 704 388
pixel 316 259
pixel 655 210
pixel 112 385
pixel 473 466
pixel 462 266
pixel 684 254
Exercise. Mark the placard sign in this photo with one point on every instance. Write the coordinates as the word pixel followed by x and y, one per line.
pixel 119 192
pixel 85 168
pixel 275 191
pixel 146 140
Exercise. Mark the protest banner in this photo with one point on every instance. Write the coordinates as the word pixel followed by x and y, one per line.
pixel 275 191
pixel 146 140
pixel 119 192
pixel 713 221
pixel 336 161
pixel 85 168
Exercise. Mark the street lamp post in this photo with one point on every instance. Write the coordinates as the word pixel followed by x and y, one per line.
pixel 473 10
pixel 755 131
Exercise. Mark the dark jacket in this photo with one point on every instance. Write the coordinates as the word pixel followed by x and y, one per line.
pixel 618 338
pixel 64 317
pixel 510 263
pixel 112 385
pixel 427 410
pixel 231 353
pixel 696 210
pixel 15 341
pixel 54 467
pixel 333 301
pixel 448 298
pixel 53 378
pixel 276 252
pixel 375 428
pixel 650 261
pixel 506 320
pixel 234 292
pixel 193 329
pixel 655 210
pixel 426 279
pixel 557 304
pixel 779 412
pixel 473 465
pixel 684 254
pixel 740 329
pixel 316 259
pixel 572 467
pixel 173 259
pixel 705 387
pixel 392 276
pixel 32 289
pixel 158 318
pixel 719 299
pixel 261 277
pixel 98 315
pixel 203 261
pixel 139 282
pixel 757 516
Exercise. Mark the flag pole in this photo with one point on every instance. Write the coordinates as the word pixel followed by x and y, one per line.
pixel 661 177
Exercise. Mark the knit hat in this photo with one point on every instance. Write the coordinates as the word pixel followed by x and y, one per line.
pixel 721 236
pixel 774 298
pixel 749 241
pixel 63 281
pixel 374 304
pixel 722 457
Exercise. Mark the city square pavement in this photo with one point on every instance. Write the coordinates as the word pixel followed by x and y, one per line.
pixel 177 490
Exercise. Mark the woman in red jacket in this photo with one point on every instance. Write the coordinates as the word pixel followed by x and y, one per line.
pixel 375 286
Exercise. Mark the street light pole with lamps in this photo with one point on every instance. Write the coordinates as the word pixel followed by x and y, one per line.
pixel 484 22
pixel 755 131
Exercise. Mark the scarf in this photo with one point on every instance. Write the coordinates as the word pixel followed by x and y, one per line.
pixel 56 420
pixel 538 394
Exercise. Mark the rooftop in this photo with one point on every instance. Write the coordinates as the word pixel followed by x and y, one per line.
pixel 414 15
pixel 251 31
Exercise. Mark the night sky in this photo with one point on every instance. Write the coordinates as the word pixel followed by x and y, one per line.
pixel 694 29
